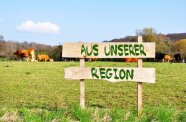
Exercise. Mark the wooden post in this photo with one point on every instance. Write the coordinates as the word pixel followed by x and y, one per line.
pixel 139 87
pixel 82 86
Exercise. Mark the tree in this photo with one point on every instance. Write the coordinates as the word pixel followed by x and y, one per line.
pixel 55 53
pixel 9 48
pixel 163 44
pixel 2 46
pixel 1 38
pixel 181 47
pixel 149 34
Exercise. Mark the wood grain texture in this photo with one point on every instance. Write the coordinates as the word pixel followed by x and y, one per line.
pixel 74 50
pixel 140 74
pixel 139 84
pixel 82 86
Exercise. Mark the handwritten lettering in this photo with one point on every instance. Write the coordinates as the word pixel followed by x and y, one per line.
pixel 112 73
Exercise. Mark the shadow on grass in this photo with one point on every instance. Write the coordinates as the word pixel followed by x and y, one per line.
pixel 97 105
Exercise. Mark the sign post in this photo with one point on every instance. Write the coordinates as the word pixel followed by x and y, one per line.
pixel 82 86
pixel 139 88
pixel 113 74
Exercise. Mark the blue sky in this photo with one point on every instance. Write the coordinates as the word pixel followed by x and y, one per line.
pixel 58 21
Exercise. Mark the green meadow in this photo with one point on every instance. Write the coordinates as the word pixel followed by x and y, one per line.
pixel 38 92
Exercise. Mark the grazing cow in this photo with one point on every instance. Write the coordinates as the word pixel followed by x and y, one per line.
pixel 167 58
pixel 43 58
pixel 177 57
pixel 27 54
pixel 92 59
pixel 130 59
pixel 159 56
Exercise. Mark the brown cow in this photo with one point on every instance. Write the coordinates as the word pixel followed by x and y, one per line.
pixel 27 54
pixel 43 58
pixel 130 59
pixel 92 59
pixel 167 58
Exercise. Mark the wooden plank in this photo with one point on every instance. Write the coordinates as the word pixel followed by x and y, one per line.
pixel 112 74
pixel 139 84
pixel 109 50
pixel 82 86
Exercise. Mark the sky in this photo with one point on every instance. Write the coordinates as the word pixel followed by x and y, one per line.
pixel 54 22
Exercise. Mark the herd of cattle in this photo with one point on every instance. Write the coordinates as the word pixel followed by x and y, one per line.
pixel 159 57
pixel 29 55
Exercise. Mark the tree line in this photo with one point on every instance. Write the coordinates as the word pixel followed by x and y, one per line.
pixel 167 44
pixel 7 48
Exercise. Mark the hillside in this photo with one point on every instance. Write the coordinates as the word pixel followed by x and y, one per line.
pixel 171 37
pixel 176 36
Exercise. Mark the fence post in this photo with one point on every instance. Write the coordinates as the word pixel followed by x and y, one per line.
pixel 82 86
pixel 139 86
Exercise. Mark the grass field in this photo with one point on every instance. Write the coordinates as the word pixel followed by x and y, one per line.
pixel 38 92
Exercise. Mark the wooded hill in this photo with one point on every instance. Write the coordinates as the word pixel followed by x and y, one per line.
pixel 172 37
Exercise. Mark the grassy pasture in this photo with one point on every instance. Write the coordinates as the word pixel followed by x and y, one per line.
pixel 38 91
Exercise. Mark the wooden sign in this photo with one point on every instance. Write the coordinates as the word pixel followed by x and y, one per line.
pixel 112 74
pixel 109 50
